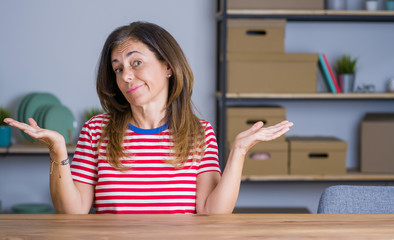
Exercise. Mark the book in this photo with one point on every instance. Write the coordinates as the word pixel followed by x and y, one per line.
pixel 326 74
pixel 333 78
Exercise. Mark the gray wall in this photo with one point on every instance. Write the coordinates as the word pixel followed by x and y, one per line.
pixel 54 46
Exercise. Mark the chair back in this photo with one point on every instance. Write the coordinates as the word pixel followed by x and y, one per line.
pixel 357 199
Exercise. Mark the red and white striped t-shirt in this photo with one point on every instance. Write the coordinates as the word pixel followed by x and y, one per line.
pixel 151 185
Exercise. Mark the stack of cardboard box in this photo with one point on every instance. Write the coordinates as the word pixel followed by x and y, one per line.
pixel 377 143
pixel 265 158
pixel 283 156
pixel 317 155
pixel 257 62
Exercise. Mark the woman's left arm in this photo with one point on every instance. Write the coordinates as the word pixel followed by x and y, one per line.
pixel 218 195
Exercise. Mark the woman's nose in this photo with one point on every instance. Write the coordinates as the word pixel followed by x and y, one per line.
pixel 127 74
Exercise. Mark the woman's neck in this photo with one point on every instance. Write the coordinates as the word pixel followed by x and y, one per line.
pixel 147 118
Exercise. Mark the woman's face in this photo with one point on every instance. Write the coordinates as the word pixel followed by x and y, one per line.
pixel 140 76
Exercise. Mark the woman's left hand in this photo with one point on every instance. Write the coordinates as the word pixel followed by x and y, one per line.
pixel 257 133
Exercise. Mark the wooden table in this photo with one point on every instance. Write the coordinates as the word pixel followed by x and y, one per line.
pixel 235 226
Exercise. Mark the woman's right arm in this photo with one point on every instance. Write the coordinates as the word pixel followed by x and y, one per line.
pixel 68 196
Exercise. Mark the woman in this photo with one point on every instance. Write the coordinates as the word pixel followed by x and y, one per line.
pixel 148 153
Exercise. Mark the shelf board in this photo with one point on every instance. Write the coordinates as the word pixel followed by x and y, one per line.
pixel 350 176
pixel 308 12
pixel 313 15
pixel 32 148
pixel 309 95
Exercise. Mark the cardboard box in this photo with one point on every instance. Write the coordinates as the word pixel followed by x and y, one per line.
pixel 267 158
pixel 272 73
pixel 241 119
pixel 276 4
pixel 377 143
pixel 256 35
pixel 317 155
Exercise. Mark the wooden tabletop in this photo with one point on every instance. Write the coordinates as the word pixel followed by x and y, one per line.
pixel 234 226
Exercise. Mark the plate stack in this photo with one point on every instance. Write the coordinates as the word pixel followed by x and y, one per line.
pixel 48 112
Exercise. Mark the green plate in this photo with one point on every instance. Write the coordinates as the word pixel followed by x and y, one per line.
pixel 37 114
pixel 23 104
pixel 60 119
pixel 35 117
pixel 40 114
pixel 33 103
pixel 21 107
pixel 32 208
pixel 37 101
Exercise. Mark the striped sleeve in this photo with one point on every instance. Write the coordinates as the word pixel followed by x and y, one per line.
pixel 210 160
pixel 84 164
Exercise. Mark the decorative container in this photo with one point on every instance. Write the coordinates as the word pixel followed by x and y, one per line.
pixel 346 82
pixel 5 136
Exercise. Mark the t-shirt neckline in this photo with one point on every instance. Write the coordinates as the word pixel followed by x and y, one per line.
pixel 147 131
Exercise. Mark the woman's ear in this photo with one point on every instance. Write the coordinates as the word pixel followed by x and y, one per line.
pixel 169 71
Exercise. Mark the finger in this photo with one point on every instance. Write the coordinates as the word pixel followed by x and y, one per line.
pixel 273 132
pixel 257 125
pixel 284 123
pixel 14 123
pixel 280 125
pixel 8 120
pixel 281 132
pixel 37 134
pixel 32 122
pixel 276 134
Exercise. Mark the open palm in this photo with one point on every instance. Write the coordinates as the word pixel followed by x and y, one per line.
pixel 257 133
pixel 48 137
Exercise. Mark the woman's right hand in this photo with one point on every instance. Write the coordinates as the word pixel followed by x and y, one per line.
pixel 52 139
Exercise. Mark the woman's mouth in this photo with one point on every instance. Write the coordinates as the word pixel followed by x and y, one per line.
pixel 134 88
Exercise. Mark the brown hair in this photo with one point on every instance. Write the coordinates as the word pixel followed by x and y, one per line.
pixel 186 129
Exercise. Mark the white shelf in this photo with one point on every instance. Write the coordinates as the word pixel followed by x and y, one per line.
pixel 311 95
pixel 252 12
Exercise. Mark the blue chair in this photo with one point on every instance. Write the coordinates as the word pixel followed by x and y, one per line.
pixel 357 199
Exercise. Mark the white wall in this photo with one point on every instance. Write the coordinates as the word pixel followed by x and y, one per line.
pixel 53 45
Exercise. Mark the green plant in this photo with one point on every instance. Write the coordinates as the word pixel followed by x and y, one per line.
pixel 92 112
pixel 346 65
pixel 4 113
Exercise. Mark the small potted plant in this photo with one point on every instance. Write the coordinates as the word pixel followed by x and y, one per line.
pixel 346 69
pixel 92 112
pixel 5 130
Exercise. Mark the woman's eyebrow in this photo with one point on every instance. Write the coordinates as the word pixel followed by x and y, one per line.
pixel 127 55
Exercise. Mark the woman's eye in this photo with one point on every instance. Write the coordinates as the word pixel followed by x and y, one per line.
pixel 118 70
pixel 136 63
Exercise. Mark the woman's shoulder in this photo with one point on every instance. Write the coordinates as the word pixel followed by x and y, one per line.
pixel 100 119
pixel 204 122
pixel 206 125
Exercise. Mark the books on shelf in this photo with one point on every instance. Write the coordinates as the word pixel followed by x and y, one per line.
pixel 333 78
pixel 328 74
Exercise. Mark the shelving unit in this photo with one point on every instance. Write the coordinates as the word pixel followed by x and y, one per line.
pixel 31 148
pixel 226 99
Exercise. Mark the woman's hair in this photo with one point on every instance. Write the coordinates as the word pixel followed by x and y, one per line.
pixel 186 129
